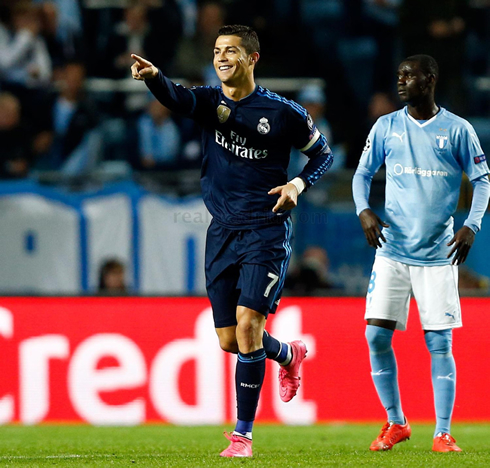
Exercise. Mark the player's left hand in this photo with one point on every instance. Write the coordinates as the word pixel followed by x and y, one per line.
pixel 288 197
pixel 461 242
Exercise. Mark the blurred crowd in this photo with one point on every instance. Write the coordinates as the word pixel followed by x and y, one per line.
pixel 69 109
pixel 67 106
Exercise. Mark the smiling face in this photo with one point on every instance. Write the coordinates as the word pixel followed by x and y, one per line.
pixel 232 63
pixel 413 84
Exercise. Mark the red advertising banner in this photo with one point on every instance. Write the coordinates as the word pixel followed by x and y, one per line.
pixel 136 360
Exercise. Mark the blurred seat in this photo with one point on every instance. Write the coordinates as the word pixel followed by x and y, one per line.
pixel 482 128
pixel 357 55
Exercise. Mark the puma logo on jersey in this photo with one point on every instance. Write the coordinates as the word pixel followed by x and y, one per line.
pixel 399 136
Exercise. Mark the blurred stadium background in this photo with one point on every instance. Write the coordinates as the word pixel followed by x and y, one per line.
pixel 99 196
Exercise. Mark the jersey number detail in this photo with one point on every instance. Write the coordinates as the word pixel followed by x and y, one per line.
pixel 275 279
pixel 372 283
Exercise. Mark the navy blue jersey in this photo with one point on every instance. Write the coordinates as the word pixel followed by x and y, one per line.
pixel 246 148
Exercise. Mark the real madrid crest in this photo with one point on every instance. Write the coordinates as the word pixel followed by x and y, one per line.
pixel 223 113
pixel 263 127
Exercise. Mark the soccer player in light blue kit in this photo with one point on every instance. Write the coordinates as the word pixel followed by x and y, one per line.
pixel 425 149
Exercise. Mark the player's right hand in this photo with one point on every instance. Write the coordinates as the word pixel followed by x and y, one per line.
pixel 142 69
pixel 371 223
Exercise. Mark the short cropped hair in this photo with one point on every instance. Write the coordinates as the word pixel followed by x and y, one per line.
pixel 250 40
pixel 110 265
pixel 427 64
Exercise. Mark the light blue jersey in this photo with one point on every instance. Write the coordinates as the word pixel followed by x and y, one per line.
pixel 424 162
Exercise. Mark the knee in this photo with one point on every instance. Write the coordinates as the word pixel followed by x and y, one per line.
pixel 245 328
pixel 249 327
pixel 439 341
pixel 378 339
pixel 249 335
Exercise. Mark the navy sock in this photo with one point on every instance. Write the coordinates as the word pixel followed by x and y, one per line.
pixel 244 427
pixel 276 350
pixel 250 371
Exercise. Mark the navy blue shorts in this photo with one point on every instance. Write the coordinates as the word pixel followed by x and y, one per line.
pixel 246 268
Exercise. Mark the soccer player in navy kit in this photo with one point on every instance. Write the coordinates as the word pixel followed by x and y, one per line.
pixel 247 136
pixel 425 149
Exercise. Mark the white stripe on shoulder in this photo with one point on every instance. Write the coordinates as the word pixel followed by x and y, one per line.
pixel 313 140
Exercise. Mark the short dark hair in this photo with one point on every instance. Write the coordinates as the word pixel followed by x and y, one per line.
pixel 427 64
pixel 250 40
pixel 108 266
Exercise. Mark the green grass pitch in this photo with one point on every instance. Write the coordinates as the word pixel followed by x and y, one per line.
pixel 274 446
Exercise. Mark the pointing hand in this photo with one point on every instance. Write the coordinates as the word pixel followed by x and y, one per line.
pixel 142 69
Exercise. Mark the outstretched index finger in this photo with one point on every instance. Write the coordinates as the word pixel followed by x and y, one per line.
pixel 141 60
pixel 275 190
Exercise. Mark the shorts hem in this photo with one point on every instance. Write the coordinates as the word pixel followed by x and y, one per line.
pixel 224 324
pixel 261 309
pixel 445 326
pixel 400 326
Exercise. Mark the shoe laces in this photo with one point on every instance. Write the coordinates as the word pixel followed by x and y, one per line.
pixel 393 434
pixel 235 438
pixel 384 430
pixel 448 438
pixel 284 375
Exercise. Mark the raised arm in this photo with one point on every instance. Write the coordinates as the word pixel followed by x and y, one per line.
pixel 142 69
pixel 175 97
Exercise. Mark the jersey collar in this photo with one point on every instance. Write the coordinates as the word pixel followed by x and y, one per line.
pixel 243 100
pixel 425 122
